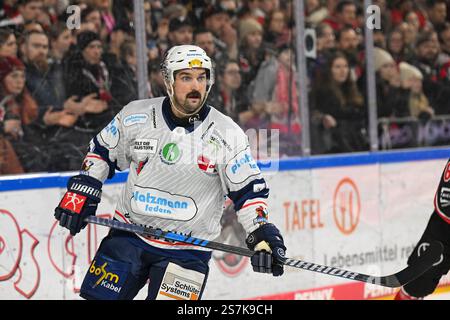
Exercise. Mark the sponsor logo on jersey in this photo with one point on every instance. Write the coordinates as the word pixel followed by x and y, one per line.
pixel 170 153
pixel 243 162
pixel 145 146
pixel 139 118
pixel 180 284
pixel 241 167
pixel 154 202
pixel 206 165
pixel 154 117
pixel 110 134
pixel 106 279
pixel 444 197
pixel 180 290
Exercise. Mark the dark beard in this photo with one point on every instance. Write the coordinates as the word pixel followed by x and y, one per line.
pixel 41 64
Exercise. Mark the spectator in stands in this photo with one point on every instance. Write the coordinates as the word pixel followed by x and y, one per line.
pixel 61 40
pixel 399 9
pixel 396 45
pixel 9 15
pixel 326 42
pixel 338 113
pixel 326 39
pixel 418 104
pixel 344 15
pixel 92 15
pixel 205 40
pixel 30 10
pixel 348 41
pixel 180 31
pixel 105 9
pixel 409 37
pixel 40 79
pixel 268 6
pixel 19 110
pixel 435 83
pixel 379 38
pixel 251 9
pixel 412 18
pixel 251 49
pixel 392 100
pixel 8 43
pixel 44 82
pixel 156 80
pixel 316 12
pixel 119 35
pixel 86 75
pixel 444 39
pixel 225 93
pixel 123 75
pixel 218 20
pixel 275 85
pixel 437 13
pixel 276 31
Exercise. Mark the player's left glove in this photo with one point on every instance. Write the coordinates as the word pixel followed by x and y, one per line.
pixel 270 249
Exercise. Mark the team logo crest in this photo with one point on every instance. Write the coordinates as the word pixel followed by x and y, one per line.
pixel 195 63
pixel 261 215
pixel 170 153
pixel 206 165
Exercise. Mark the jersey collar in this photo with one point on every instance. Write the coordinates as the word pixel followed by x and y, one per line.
pixel 172 121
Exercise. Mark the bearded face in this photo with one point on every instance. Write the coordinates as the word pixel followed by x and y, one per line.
pixel 36 51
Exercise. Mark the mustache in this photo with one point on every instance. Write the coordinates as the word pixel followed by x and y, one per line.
pixel 194 94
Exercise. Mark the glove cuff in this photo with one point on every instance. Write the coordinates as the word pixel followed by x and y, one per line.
pixel 259 235
pixel 86 186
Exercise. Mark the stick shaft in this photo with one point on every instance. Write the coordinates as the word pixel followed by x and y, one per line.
pixel 395 280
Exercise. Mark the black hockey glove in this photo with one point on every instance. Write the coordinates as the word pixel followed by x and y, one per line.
pixel 80 201
pixel 270 249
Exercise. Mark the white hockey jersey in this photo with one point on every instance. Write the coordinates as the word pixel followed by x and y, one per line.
pixel 179 177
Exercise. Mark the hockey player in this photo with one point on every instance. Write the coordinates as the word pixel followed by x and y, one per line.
pixel 183 157
pixel 438 228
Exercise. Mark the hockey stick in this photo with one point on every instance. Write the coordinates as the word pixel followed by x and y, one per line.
pixel 399 279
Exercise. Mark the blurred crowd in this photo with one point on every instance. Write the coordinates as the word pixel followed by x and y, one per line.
pixel 62 81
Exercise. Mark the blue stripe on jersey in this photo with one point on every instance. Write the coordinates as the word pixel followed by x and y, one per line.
pixel 104 154
pixel 241 196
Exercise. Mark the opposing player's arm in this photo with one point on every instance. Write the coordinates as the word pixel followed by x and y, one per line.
pixel 442 196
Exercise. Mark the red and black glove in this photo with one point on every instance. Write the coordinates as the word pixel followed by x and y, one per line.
pixel 80 201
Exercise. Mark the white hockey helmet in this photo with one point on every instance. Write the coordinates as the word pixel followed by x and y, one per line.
pixel 186 57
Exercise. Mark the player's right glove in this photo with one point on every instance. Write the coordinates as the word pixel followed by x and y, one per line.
pixel 80 201
pixel 270 249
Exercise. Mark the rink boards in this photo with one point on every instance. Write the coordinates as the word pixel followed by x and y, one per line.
pixel 363 212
